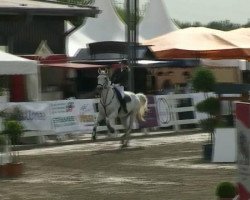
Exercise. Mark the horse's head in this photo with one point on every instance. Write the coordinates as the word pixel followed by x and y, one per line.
pixel 103 79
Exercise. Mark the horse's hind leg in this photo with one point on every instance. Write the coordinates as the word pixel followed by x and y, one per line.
pixel 124 122
pixel 128 125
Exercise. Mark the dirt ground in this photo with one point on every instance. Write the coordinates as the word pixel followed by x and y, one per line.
pixel 159 168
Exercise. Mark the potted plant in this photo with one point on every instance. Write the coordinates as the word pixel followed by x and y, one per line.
pixel 13 129
pixel 4 155
pixel 4 95
pixel 226 191
pixel 203 80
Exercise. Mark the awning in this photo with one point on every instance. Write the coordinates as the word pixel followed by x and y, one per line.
pixel 200 42
pixel 73 65
pixel 11 64
pixel 48 8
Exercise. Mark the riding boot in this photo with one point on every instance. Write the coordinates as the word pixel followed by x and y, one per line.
pixel 121 100
pixel 124 105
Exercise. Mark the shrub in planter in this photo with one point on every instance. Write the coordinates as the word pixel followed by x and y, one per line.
pixel 2 143
pixel 226 190
pixel 203 80
pixel 208 125
pixel 211 105
pixel 3 155
pixel 13 129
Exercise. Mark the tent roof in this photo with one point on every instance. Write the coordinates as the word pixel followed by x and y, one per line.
pixel 224 63
pixel 156 21
pixel 182 63
pixel 11 64
pixel 107 27
pixel 112 50
pixel 49 8
pixel 74 65
pixel 202 42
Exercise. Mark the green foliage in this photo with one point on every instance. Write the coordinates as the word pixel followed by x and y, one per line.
pixel 203 80
pixel 225 25
pixel 122 13
pixel 187 24
pixel 12 125
pixel 210 105
pixel 1 91
pixel 12 114
pixel 226 190
pixel 3 142
pixel 247 25
pixel 208 124
pixel 14 130
pixel 77 2
pixel 77 21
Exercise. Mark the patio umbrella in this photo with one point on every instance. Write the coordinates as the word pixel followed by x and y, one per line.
pixel 201 42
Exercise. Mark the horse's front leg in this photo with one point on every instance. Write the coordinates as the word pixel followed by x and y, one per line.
pixel 98 121
pixel 128 125
pixel 110 121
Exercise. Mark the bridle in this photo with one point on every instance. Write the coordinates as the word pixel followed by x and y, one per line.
pixel 105 84
pixel 104 93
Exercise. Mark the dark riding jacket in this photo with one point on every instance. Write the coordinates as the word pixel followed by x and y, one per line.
pixel 120 76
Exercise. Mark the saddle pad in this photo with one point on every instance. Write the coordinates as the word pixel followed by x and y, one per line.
pixel 127 98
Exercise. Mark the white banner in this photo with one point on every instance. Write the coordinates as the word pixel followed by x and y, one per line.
pixel 76 115
pixel 34 116
pixel 64 116
pixel 86 114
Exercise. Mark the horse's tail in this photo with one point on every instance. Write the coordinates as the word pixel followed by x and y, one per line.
pixel 143 106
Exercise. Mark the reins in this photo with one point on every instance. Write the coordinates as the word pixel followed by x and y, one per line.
pixel 104 103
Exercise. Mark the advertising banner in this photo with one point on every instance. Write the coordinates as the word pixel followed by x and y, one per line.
pixel 86 114
pixel 243 151
pixel 64 116
pixel 34 116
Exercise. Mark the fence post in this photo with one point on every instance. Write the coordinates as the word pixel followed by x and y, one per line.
pixel 175 114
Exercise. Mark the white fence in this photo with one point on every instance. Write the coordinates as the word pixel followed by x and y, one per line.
pixel 78 115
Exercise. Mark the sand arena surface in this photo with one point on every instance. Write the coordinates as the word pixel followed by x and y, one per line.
pixel 159 168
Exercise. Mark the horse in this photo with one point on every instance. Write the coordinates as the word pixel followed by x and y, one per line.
pixel 110 108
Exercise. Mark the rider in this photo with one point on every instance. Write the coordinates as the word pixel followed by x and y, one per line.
pixel 120 80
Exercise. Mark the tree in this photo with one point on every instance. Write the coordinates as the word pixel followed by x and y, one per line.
pixel 187 24
pixel 225 25
pixel 77 2
pixel 247 25
pixel 122 13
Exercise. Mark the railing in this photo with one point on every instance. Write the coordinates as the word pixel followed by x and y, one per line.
pixel 77 116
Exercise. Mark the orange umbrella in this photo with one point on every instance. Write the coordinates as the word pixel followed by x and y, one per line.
pixel 200 42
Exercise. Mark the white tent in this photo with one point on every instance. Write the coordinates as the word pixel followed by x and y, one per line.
pixel 14 65
pixel 107 27
pixel 156 21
